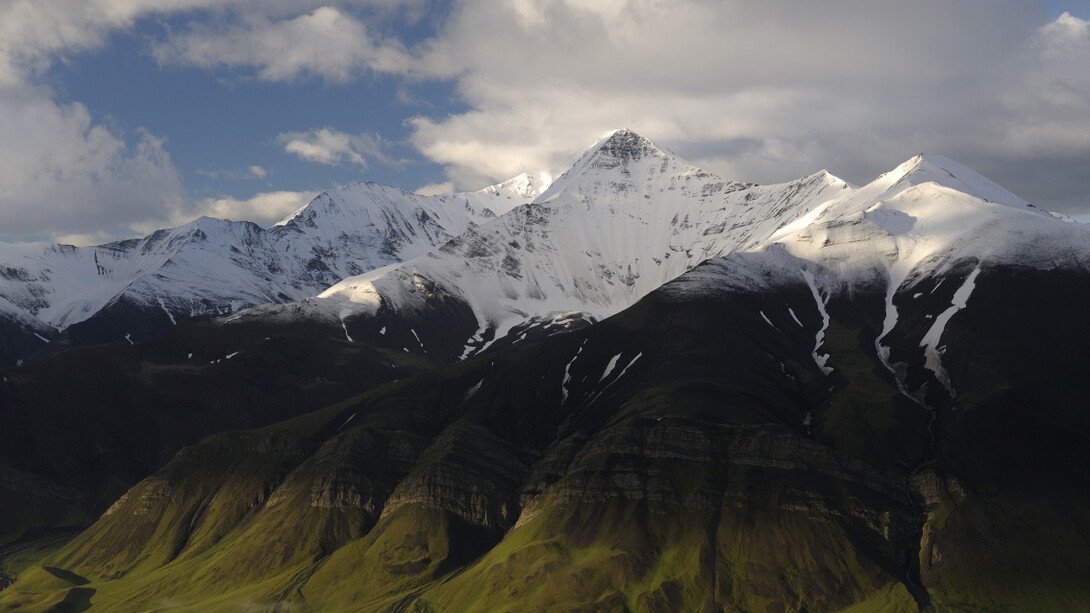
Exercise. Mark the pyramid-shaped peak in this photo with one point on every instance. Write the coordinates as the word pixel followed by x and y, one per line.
pixel 622 136
pixel 617 154
pixel 929 168
pixel 625 145
pixel 927 165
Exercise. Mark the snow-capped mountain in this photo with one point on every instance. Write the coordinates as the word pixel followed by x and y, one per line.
pixel 510 260
pixel 922 237
pixel 629 216
pixel 626 218
pixel 880 386
pixel 212 267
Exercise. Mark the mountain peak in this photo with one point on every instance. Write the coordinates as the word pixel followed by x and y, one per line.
pixel 525 186
pixel 617 150
pixel 929 168
pixel 622 146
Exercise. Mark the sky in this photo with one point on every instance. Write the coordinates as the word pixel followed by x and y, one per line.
pixel 118 117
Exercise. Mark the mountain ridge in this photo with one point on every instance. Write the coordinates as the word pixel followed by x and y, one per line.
pixel 327 245
pixel 603 233
pixel 213 267
pixel 821 397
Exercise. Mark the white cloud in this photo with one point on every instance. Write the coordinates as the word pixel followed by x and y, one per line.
pixel 765 91
pixel 434 189
pixel 1066 36
pixel 756 91
pixel 250 172
pixel 80 239
pixel 61 173
pixel 326 42
pixel 1050 92
pixel 263 209
pixel 65 174
pixel 331 147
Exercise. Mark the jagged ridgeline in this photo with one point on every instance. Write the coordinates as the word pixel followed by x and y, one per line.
pixel 646 388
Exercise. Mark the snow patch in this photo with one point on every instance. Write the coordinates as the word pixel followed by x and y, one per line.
pixel 629 365
pixel 473 341
pixel 473 391
pixel 567 373
pixel 163 306
pixel 768 321
pixel 897 273
pixel 819 338
pixel 795 317
pixel 930 343
pixel 609 367
pixel 344 313
pixel 350 417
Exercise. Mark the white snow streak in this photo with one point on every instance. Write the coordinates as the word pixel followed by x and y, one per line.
pixel 41 338
pixel 167 311
pixel 473 391
pixel 768 321
pixel 567 373
pixel 795 317
pixel 231 355
pixel 819 338
pixel 898 272
pixel 930 343
pixel 471 344
pixel 609 367
pixel 350 417
pixel 625 369
pixel 344 327
pixel 418 342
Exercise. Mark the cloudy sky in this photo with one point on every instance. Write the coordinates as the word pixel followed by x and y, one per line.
pixel 121 116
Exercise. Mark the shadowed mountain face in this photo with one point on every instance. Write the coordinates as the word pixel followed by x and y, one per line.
pixel 875 402
pixel 688 453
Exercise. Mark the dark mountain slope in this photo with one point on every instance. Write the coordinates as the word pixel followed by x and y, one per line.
pixel 687 454
pixel 82 426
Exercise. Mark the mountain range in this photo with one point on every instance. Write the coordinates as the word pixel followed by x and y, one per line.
pixel 136 288
pixel 643 387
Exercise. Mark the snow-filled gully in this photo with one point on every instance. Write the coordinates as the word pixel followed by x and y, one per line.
pixel 819 338
pixel 930 343
pixel 898 272
pixel 567 373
